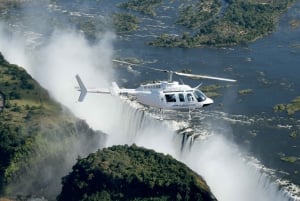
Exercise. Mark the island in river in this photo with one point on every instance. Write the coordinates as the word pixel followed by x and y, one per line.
pixel 201 23
pixel 216 22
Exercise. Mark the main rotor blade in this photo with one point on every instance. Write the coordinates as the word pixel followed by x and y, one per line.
pixel 178 73
pixel 204 77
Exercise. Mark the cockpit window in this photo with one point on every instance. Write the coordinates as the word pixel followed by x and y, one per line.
pixel 170 97
pixel 199 96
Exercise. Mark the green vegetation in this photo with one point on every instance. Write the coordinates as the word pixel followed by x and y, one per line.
pixel 289 159
pixel 242 21
pixel 34 130
pixel 194 15
pixel 245 91
pixel 291 108
pixel 87 25
pixel 294 106
pixel 212 90
pixel 294 134
pixel 144 6
pixel 294 23
pixel 125 23
pixel 132 173
pixel 279 108
pixel 186 70
pixel 4 4
pixel 205 22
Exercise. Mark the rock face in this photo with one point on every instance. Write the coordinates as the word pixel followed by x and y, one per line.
pixel 132 173
pixel 39 139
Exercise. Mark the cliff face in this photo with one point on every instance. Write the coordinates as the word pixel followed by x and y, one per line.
pixel 39 139
pixel 132 173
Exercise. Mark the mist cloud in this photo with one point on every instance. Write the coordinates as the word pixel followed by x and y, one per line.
pixel 236 178
pixel 12 46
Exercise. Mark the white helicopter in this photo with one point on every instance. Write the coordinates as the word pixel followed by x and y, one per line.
pixel 164 95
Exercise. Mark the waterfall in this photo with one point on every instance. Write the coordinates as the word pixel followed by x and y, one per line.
pixel 229 173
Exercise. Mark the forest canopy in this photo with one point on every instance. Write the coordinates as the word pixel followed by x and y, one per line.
pixel 132 173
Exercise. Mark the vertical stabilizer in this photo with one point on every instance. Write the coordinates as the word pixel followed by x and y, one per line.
pixel 82 89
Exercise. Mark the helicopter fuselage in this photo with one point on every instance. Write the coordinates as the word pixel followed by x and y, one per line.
pixel 171 95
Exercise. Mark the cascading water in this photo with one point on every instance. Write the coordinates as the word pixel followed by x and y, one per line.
pixel 217 159
pixel 230 175
pixel 228 171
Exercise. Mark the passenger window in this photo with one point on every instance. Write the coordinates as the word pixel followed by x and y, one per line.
pixel 190 97
pixel 170 97
pixel 181 97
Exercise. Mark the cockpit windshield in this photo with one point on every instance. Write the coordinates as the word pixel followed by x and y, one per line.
pixel 199 95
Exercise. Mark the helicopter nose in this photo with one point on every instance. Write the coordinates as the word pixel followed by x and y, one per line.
pixel 208 102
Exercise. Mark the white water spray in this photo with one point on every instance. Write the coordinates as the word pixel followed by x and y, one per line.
pixel 228 173
pixel 55 64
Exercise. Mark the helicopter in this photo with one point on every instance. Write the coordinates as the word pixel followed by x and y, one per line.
pixel 164 95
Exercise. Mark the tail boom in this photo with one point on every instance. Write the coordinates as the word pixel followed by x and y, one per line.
pixel 114 90
pixel 83 90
